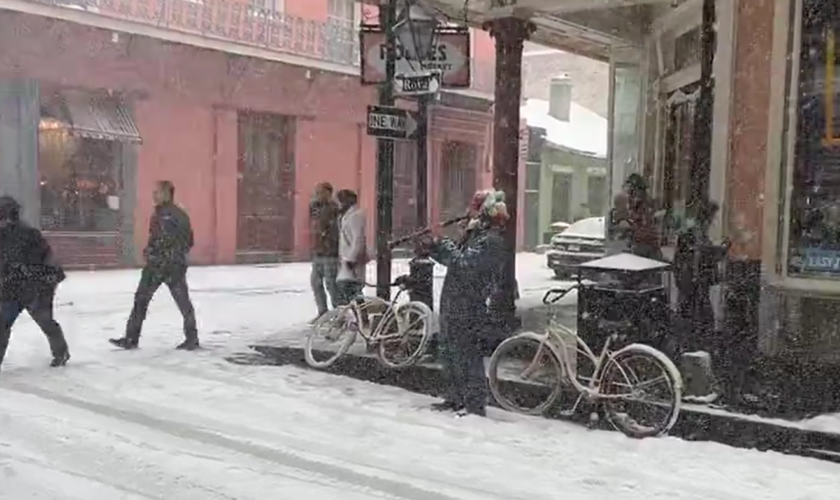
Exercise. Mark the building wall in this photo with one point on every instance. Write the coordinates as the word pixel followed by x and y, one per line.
pixel 185 101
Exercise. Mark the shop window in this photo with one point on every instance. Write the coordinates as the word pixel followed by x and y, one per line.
pixel 458 174
pixel 814 207
pixel 80 180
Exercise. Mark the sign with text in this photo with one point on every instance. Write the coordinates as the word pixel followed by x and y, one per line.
pixel 450 56
pixel 390 123
pixel 425 83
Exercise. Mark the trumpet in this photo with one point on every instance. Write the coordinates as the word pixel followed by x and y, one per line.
pixel 426 230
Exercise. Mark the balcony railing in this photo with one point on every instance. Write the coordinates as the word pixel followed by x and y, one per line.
pixel 238 22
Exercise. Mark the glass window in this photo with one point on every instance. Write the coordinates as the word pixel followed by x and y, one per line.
pixel 79 181
pixel 814 209
pixel 597 195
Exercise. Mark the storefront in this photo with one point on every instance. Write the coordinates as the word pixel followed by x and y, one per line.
pixel 802 231
pixel 67 156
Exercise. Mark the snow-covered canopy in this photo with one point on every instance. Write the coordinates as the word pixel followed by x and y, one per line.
pixel 585 132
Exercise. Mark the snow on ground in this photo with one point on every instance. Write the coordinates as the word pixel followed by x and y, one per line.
pixel 162 424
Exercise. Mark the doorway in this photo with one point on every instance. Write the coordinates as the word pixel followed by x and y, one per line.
pixel 265 188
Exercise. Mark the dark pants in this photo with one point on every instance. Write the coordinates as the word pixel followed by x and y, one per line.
pixel 175 277
pixel 41 310
pixel 463 363
pixel 347 291
pixel 324 271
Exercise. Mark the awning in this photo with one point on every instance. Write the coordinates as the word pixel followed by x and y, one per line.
pixel 99 117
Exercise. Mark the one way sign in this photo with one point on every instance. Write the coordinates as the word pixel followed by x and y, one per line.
pixel 390 123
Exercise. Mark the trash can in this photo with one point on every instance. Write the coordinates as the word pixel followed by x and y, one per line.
pixel 624 293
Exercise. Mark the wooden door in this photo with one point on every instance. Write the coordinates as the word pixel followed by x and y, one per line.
pixel 265 230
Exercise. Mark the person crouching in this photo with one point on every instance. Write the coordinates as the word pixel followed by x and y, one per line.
pixel 28 280
pixel 474 269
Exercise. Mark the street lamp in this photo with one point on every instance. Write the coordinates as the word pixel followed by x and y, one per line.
pixel 416 30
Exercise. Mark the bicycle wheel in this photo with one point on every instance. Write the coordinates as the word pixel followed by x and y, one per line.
pixel 406 335
pixel 525 367
pixel 331 338
pixel 639 376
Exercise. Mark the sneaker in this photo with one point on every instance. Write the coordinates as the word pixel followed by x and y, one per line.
pixel 188 345
pixel 60 360
pixel 124 343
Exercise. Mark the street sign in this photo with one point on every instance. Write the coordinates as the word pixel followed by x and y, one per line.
pixel 421 83
pixel 450 56
pixel 390 123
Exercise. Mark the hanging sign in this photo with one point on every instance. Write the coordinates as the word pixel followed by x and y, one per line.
pixel 450 57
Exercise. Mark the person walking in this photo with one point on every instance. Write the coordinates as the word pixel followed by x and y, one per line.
pixel 28 280
pixel 323 223
pixel 170 241
pixel 352 247
pixel 474 270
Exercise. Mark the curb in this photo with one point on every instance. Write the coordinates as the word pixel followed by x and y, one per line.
pixel 694 424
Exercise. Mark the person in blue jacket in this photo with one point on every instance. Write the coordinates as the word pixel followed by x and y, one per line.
pixel 474 269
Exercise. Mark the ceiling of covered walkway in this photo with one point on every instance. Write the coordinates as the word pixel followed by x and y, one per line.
pixel 586 27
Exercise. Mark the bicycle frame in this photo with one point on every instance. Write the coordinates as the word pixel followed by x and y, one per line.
pixel 363 303
pixel 553 340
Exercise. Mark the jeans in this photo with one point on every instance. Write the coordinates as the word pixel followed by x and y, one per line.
pixel 175 278
pixel 348 290
pixel 41 310
pixel 324 271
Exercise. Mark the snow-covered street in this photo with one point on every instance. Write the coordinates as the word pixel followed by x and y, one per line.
pixel 163 424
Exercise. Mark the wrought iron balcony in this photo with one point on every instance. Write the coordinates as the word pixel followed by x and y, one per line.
pixel 239 22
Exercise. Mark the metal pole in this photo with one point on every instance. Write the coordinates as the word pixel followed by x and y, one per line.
pixel 422 203
pixel 510 35
pixel 385 161
pixel 702 148
pixel 422 267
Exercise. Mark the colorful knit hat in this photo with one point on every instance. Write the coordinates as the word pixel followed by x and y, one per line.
pixel 489 204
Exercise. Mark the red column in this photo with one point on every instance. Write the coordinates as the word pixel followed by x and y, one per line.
pixel 510 35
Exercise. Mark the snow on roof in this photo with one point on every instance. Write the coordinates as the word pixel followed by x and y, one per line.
pixel 585 132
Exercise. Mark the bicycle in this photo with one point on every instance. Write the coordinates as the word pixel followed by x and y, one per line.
pixel 611 369
pixel 382 324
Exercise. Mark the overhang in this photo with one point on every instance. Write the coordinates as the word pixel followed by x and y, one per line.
pixel 585 27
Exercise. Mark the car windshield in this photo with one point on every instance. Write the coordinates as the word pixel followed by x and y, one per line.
pixel 592 227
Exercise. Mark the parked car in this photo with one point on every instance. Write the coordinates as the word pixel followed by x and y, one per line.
pixel 581 242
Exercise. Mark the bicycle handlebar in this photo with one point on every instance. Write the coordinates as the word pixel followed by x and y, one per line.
pixel 555 294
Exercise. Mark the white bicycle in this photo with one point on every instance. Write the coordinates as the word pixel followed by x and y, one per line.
pixel 399 332
pixel 536 366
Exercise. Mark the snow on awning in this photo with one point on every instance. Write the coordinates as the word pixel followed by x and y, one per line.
pixel 99 117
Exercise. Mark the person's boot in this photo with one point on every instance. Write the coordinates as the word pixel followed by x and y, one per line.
pixel 447 405
pixel 60 359
pixel 190 344
pixel 124 343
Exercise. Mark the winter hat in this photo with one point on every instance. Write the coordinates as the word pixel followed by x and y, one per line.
pixel 488 205
pixel 9 209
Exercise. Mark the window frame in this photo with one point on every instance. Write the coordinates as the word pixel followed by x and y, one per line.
pixel 781 154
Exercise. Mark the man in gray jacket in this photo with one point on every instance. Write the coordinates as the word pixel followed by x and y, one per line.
pixel 352 247
pixel 323 220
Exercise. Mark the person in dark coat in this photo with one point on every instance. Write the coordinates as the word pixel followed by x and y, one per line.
pixel 474 269
pixel 641 216
pixel 170 241
pixel 695 265
pixel 28 280
pixel 323 226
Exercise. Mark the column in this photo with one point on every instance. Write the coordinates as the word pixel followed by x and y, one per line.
pixel 20 114
pixel 510 35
